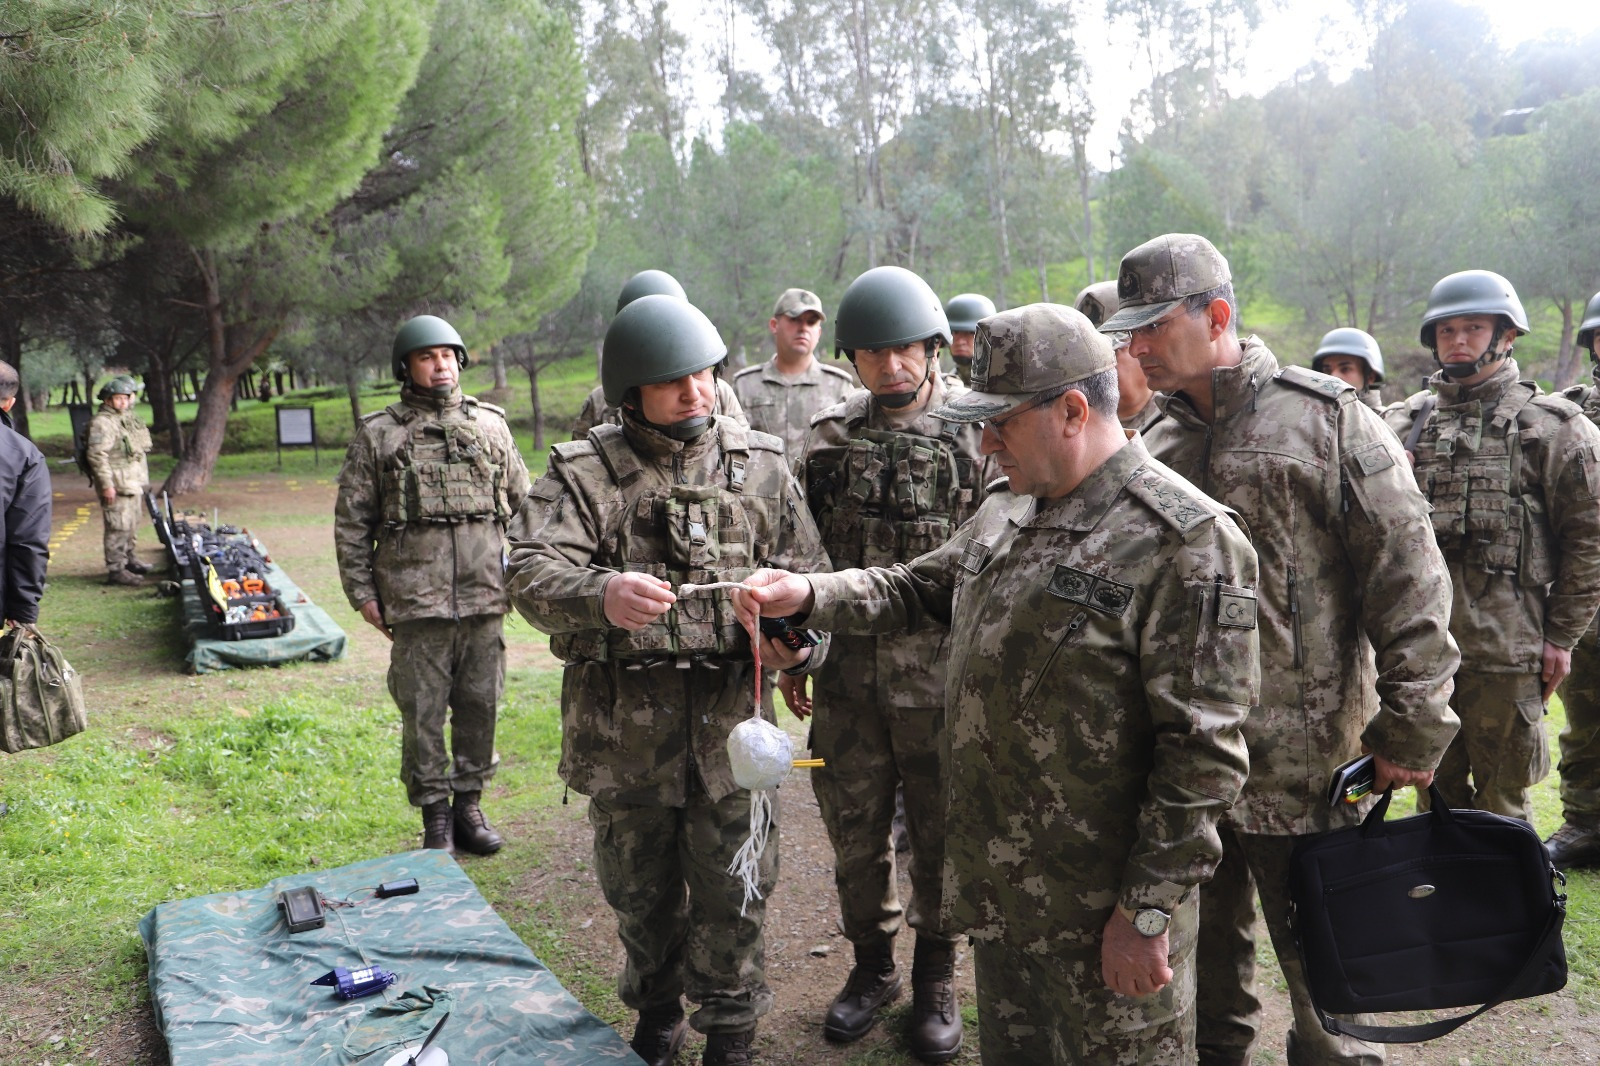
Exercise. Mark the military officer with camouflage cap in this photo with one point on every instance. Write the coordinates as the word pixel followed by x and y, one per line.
pixel 595 410
pixel 886 482
pixel 1513 475
pixel 1137 409
pixel 655 678
pixel 428 487
pixel 1103 655
pixel 1354 611
pixel 1352 355
pixel 117 446
pixel 780 395
pixel 964 312
pixel 1577 842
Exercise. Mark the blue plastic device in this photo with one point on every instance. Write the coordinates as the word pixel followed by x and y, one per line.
pixel 352 984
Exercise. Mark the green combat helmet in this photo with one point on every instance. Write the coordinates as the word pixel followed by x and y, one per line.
pixel 659 338
pixel 1591 322
pixel 425 331
pixel 964 311
pixel 884 308
pixel 649 283
pixel 121 385
pixel 1473 292
pixel 1356 343
pixel 1097 302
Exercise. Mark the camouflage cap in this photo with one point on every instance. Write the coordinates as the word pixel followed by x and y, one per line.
pixel 1018 354
pixel 796 302
pixel 1098 302
pixel 1159 273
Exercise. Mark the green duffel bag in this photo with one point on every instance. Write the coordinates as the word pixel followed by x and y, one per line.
pixel 41 696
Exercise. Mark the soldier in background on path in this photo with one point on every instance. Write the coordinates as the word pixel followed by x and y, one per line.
pixel 1513 475
pixel 427 489
pixel 781 395
pixel 964 312
pixel 1136 408
pixel 1353 356
pixel 654 684
pixel 118 443
pixel 1577 842
pixel 595 409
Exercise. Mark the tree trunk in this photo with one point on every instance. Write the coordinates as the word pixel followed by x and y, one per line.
pixel 352 388
pixel 1568 366
pixel 538 411
pixel 163 400
pixel 497 356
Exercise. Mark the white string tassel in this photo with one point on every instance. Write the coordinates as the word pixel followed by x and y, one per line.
pixel 746 865
pixel 761 756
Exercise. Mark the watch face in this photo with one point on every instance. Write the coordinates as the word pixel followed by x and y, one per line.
pixel 1151 922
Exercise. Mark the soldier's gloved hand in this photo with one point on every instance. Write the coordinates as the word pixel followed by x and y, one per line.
pixel 1557 665
pixel 796 695
pixel 373 614
pixel 634 600
pixel 1131 963
pixel 773 594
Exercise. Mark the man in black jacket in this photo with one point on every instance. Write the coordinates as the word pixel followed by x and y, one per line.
pixel 24 513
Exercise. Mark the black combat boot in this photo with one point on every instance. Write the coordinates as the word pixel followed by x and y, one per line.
pixel 873 982
pixel 729 1049
pixel 473 831
pixel 660 1034
pixel 436 827
pixel 1573 847
pixel 935 1033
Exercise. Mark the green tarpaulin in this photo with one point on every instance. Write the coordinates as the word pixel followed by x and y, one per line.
pixel 230 984
pixel 315 636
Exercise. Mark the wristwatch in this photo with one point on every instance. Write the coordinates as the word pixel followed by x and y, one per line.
pixel 1148 921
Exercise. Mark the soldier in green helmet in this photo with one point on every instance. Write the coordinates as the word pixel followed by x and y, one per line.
pixel 656 678
pixel 1136 404
pixel 117 446
pixel 1512 474
pixel 1577 842
pixel 428 487
pixel 595 409
pixel 964 312
pixel 886 482
pixel 1352 355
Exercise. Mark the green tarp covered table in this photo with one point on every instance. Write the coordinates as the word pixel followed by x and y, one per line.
pixel 230 984
pixel 315 636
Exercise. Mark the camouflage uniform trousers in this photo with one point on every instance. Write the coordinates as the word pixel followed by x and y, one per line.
pixel 1229 1012
pixel 1502 747
pixel 1056 1008
pixel 1580 740
pixel 870 751
pixel 664 871
pixel 122 526
pixel 439 668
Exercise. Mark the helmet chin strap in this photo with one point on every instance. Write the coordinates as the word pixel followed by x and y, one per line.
pixel 1466 370
pixel 685 429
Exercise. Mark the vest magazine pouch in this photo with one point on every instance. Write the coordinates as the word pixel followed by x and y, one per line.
pixel 693 534
pixel 880 542
pixel 41 695
pixel 1437 911
pixel 916 477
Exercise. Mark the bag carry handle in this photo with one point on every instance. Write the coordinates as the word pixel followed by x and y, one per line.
pixel 1416 1034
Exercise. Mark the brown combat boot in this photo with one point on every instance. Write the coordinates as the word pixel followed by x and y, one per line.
pixel 124 577
pixel 436 822
pixel 660 1034
pixel 935 1033
pixel 729 1049
pixel 873 982
pixel 136 567
pixel 473 831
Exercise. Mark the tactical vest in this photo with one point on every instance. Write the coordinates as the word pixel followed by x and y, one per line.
pixel 445 472
pixel 1469 465
pixel 679 533
pixel 889 496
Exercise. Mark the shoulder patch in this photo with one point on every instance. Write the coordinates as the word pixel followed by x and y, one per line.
pixel 836 371
pixel 569 450
pixel 1558 405
pixel 1326 386
pixel 1182 509
pixel 764 441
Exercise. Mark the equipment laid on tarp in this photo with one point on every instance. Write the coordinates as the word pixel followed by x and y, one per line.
pixel 230 984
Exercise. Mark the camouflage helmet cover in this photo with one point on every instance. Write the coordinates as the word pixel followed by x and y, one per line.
pixel 425 331
pixel 121 385
pixel 964 311
pixel 657 338
pixel 886 307
pixel 649 283
pixel 1356 343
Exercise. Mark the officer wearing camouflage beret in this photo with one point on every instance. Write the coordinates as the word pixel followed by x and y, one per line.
pixel 780 395
pixel 886 482
pixel 655 683
pixel 1351 583
pixel 117 446
pixel 596 410
pixel 1137 409
pixel 1577 842
pixel 1103 655
pixel 1513 475
pixel 427 489
pixel 965 311
pixel 1353 356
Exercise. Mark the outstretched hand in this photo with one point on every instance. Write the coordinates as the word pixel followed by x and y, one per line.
pixel 633 600
pixel 772 594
